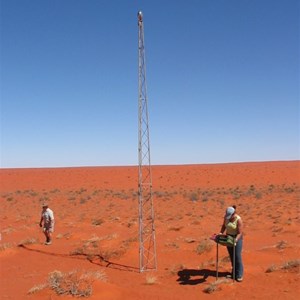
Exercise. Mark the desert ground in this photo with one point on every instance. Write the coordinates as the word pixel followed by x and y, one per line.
pixel 95 250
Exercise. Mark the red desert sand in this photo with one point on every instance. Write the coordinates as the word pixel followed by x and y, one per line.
pixel 95 249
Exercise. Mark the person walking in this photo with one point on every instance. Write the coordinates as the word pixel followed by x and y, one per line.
pixel 234 227
pixel 47 222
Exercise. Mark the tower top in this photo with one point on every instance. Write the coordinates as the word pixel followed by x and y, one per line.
pixel 140 16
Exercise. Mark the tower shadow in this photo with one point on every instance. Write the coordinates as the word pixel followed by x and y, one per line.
pixel 94 259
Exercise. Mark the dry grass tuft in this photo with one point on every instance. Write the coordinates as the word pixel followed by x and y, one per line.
pixel 29 241
pixel 175 228
pixel 271 269
pixel 281 245
pixel 291 266
pixel 5 246
pixel 204 246
pixel 151 279
pixel 37 288
pixel 213 287
pixel 176 268
pixel 74 283
pixel 97 222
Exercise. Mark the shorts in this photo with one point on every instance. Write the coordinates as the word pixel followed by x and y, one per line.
pixel 48 228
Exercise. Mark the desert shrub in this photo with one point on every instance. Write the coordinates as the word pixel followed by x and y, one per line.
pixel 151 279
pixel 225 259
pixel 258 195
pixel 82 200
pixel 59 236
pixel 289 190
pixel 97 222
pixel 194 197
pixel 271 269
pixel 204 246
pixel 190 240
pixel 172 245
pixel 33 194
pixel 281 245
pixel 175 228
pixel 78 251
pixel 212 288
pixel 82 190
pixel 5 246
pixel 114 253
pixel 176 268
pixel 44 199
pixel 29 241
pixel 291 264
pixel 8 230
pixel 74 283
pixel 37 288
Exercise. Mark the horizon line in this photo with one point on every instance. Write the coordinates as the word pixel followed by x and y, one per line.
pixel 153 165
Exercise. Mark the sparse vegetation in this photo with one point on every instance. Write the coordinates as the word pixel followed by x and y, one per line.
pixel 172 245
pixel 181 211
pixel 291 265
pixel 97 222
pixel 211 288
pixel 176 268
pixel 37 288
pixel 175 228
pixel 204 246
pixel 5 246
pixel 75 283
pixel 29 241
pixel 271 269
pixel 151 279
pixel 281 245
pixel 194 197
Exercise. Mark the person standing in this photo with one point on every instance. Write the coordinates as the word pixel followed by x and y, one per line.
pixel 234 227
pixel 47 222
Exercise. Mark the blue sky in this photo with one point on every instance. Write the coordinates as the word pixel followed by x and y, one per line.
pixel 222 77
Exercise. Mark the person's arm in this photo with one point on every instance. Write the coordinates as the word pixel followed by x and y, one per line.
pixel 41 221
pixel 239 229
pixel 51 214
pixel 223 227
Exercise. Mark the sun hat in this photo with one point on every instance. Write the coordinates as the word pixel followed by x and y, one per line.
pixel 229 212
pixel 45 205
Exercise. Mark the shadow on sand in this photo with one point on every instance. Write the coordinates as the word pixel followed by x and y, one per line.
pixel 94 259
pixel 191 276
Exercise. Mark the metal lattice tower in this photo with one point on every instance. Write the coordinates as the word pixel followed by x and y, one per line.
pixel 147 250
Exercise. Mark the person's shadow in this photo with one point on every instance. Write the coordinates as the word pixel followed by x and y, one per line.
pixel 193 277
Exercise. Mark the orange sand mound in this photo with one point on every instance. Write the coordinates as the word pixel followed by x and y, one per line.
pixel 96 231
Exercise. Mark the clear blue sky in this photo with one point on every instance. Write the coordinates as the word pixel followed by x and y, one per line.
pixel 222 77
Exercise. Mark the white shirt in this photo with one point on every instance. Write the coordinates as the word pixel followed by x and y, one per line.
pixel 48 216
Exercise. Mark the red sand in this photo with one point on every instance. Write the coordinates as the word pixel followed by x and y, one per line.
pixel 96 211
